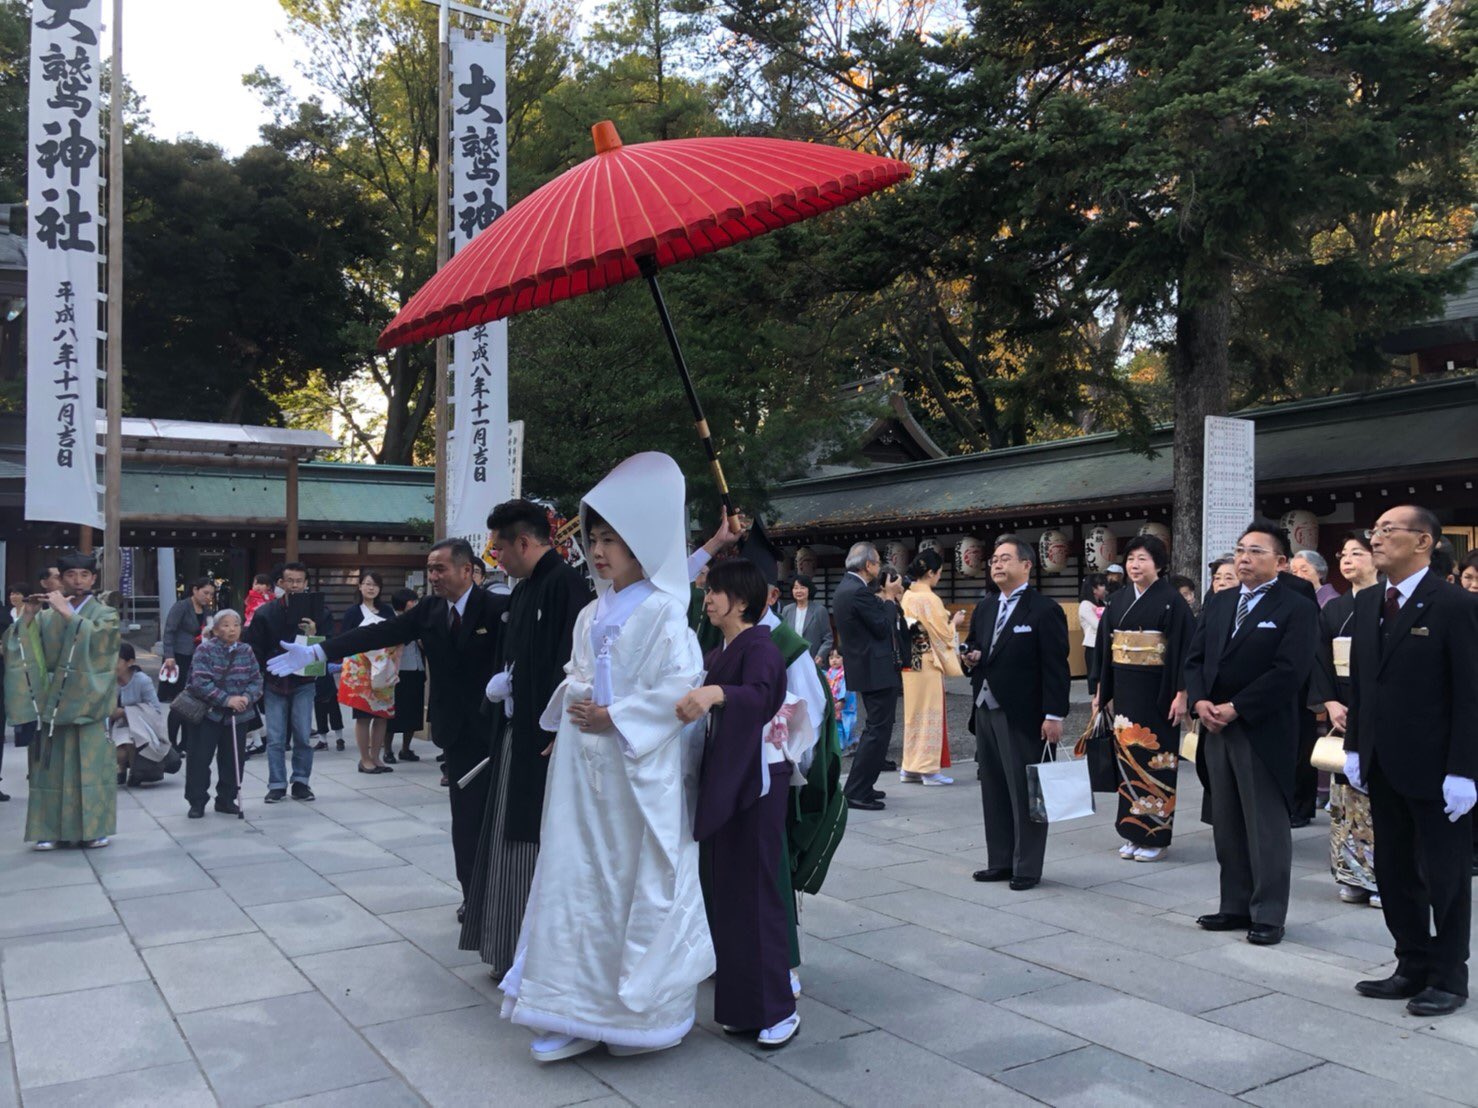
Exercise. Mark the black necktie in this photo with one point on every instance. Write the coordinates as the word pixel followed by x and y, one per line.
pixel 456 622
pixel 1390 610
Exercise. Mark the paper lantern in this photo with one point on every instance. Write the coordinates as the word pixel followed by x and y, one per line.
pixel 1100 549
pixel 1159 530
pixel 1053 549
pixel 971 557
pixel 1302 526
pixel 805 562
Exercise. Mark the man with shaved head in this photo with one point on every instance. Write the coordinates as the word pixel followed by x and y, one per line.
pixel 1411 741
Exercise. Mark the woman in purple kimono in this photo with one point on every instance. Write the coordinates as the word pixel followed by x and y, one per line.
pixel 742 793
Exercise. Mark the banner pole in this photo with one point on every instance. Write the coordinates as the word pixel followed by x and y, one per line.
pixel 113 459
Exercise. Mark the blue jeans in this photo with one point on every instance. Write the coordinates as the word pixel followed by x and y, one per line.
pixel 282 711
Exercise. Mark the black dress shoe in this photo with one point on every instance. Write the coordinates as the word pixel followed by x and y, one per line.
pixel 228 807
pixel 1265 934
pixel 1435 1002
pixel 992 875
pixel 1301 821
pixel 890 766
pixel 1224 921
pixel 409 756
pixel 877 794
pixel 197 811
pixel 389 757
pixel 1395 987
pixel 866 805
pixel 1021 884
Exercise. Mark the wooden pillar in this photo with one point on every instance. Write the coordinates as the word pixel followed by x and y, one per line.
pixel 291 550
pixel 84 539
pixel 443 255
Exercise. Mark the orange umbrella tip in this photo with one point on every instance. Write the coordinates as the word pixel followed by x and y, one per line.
pixel 606 138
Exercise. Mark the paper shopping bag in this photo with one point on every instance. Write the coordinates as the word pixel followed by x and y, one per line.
pixel 1059 790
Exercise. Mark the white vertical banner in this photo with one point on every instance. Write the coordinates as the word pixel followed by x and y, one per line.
pixel 478 476
pixel 1228 488
pixel 63 159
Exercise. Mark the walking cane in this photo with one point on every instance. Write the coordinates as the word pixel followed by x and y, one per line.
pixel 236 757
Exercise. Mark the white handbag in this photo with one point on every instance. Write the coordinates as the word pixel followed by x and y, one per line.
pixel 1058 789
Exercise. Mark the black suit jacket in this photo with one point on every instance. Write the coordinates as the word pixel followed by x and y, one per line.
pixel 1414 692
pixel 270 626
pixel 460 667
pixel 1263 671
pixel 1027 668
pixel 864 629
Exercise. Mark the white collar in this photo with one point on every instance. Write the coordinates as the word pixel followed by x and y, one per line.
pixel 1016 592
pixel 460 605
pixel 1265 586
pixel 614 606
pixel 1407 587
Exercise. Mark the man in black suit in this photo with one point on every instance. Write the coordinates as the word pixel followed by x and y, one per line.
pixel 1017 651
pixel 459 630
pixel 1245 673
pixel 864 627
pixel 1410 740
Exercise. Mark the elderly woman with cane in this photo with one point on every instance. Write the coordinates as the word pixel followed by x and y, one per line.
pixel 225 675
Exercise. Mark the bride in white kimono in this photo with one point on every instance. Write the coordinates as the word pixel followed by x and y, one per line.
pixel 615 940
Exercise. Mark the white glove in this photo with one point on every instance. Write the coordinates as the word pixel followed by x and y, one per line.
pixel 1352 771
pixel 500 688
pixel 1459 794
pixel 293 658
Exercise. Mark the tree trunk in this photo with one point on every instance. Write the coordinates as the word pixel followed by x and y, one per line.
pixel 1201 378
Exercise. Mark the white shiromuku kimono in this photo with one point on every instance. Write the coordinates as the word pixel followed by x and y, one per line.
pixel 615 940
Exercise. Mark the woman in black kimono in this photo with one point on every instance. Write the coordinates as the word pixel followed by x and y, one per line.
pixel 743 791
pixel 1143 638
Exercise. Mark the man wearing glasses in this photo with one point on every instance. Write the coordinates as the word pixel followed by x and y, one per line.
pixel 1411 741
pixel 1248 661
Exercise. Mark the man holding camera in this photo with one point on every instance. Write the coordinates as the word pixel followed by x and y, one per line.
pixel 288 700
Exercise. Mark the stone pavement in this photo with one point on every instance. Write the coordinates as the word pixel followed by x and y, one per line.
pixel 308 954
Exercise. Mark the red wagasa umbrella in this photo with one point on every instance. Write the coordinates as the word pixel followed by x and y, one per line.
pixel 628 212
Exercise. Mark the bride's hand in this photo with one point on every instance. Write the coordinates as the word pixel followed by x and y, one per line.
pixel 589 716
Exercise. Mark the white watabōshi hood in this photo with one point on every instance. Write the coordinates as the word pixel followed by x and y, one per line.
pixel 645 500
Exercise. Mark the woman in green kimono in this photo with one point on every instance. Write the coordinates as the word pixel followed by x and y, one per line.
pixel 59 672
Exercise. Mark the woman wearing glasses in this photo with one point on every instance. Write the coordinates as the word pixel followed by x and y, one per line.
pixel 1144 635
pixel 1351 842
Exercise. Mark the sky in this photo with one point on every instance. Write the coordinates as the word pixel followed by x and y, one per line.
pixel 189 69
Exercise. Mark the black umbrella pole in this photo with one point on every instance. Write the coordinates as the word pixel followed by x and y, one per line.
pixel 649 271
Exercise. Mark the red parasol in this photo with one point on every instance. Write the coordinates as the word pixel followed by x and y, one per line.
pixel 628 212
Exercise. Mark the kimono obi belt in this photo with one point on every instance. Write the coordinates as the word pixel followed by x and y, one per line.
pixel 1139 648
pixel 1341 649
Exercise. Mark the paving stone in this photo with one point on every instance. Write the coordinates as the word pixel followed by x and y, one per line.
pixel 1424 1063
pixel 183 917
pixel 436 931
pixel 324 923
pixel 389 1093
pixel 109 1030
pixel 212 973
pixel 243 849
pixel 952 876
pixel 829 918
pixel 178 1086
pixel 46 870
pixel 846 883
pixel 1121 922
pixel 471 1056
pixel 1094 1077
pixel 396 890
pixel 361 808
pixel 387 982
pixel 1331 1084
pixel 960 919
pixel 10 1096
pixel 1230 1061
pixel 151 875
pixel 272 883
pixel 860 854
pixel 436 860
pixel 274 1050
pixel 1181 987
pixel 879 1068
pixel 330 857
pixel 954 963
pixel 40 965
pixel 48 910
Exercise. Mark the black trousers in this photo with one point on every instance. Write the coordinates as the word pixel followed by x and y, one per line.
pixel 1090 660
pixel 327 715
pixel 1013 841
pixel 872 749
pixel 469 805
pixel 1254 843
pixel 203 741
pixel 1424 869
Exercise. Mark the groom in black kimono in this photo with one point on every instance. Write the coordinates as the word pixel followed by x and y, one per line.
pixel 535 646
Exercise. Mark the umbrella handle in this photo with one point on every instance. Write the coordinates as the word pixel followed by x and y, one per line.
pixel 648 266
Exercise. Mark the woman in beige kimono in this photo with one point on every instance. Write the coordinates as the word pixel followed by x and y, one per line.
pixel 934 637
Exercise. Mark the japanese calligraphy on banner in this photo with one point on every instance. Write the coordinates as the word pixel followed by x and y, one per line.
pixel 478 476
pixel 62 264
pixel 1228 502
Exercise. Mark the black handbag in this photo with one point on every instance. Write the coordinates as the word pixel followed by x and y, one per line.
pixel 1097 745
pixel 189 706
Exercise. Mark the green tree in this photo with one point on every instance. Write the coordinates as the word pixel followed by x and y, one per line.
pixel 15 64
pixel 236 283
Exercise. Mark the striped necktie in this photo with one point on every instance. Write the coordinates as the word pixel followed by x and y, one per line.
pixel 1244 604
pixel 1007 602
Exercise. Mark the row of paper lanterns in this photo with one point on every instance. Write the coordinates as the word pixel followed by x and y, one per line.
pixel 1054 548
